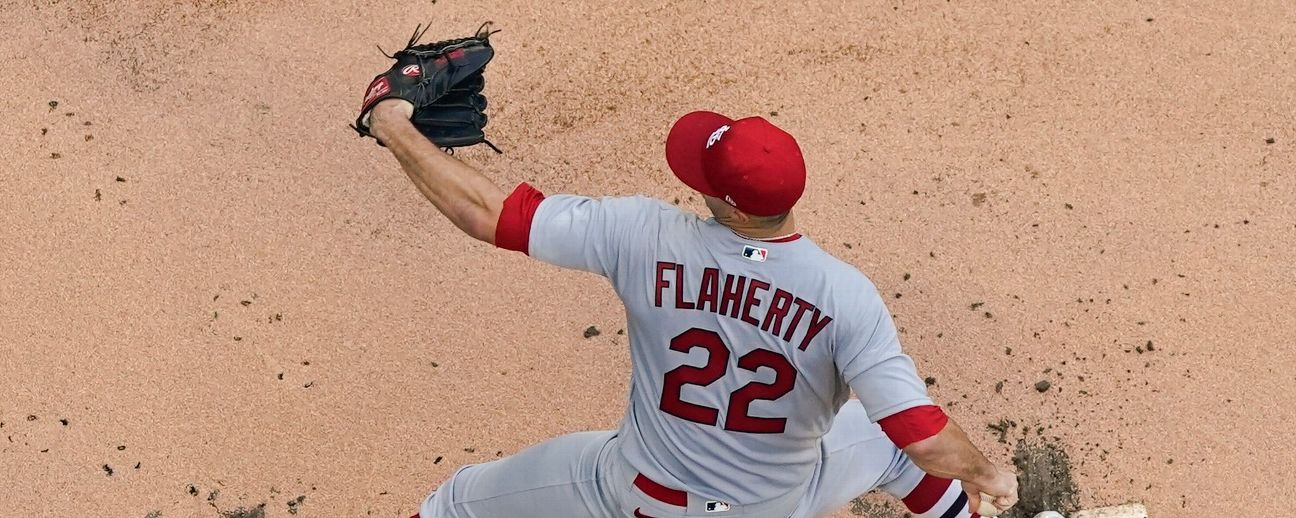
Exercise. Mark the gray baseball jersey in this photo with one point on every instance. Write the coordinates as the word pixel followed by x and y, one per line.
pixel 742 350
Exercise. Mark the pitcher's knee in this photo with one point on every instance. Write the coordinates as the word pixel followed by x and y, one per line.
pixel 440 503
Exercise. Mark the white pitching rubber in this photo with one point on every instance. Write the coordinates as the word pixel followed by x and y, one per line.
pixel 1117 511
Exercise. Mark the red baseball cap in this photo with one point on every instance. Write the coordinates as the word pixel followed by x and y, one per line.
pixel 749 163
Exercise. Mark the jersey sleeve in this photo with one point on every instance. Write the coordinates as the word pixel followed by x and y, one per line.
pixel 869 357
pixel 593 234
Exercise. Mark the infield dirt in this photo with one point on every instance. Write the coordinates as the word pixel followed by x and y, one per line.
pixel 214 296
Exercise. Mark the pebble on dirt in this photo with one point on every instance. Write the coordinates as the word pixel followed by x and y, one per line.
pixel 1043 385
pixel 591 332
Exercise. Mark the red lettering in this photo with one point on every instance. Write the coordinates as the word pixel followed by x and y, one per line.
pixel 817 324
pixel 802 307
pixel 709 290
pixel 751 301
pixel 661 281
pixel 731 298
pixel 779 307
pixel 680 303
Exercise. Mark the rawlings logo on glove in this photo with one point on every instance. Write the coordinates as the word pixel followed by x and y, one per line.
pixel 444 82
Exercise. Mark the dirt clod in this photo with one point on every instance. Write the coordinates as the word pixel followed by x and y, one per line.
pixel 873 509
pixel 1044 479
pixel 255 512
pixel 1001 428
pixel 591 332
pixel 292 504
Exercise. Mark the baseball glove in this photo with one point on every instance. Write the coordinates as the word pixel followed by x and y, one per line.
pixel 444 82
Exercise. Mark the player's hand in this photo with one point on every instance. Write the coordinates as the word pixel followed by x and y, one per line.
pixel 1001 485
pixel 386 112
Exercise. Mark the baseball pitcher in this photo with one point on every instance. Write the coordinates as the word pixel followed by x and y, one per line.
pixel 746 338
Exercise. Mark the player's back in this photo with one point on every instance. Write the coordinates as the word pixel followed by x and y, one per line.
pixel 733 348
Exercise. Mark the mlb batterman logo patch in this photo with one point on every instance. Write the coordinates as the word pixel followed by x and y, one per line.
pixel 755 254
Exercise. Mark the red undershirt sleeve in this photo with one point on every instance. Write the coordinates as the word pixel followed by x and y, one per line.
pixel 513 230
pixel 913 425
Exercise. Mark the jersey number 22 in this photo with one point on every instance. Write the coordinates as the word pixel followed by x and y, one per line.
pixel 736 418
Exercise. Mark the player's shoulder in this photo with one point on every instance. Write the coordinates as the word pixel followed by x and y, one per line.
pixel 844 273
pixel 848 285
pixel 632 203
pixel 635 214
pixel 649 209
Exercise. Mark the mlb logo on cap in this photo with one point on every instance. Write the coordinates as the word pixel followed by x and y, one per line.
pixel 756 254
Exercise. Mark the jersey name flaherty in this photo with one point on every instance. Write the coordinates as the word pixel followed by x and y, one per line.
pixel 741 298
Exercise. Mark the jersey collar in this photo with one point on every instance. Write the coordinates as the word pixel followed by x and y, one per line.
pixel 780 239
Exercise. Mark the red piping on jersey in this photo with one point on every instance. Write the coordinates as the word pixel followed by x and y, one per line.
pixel 914 424
pixel 513 230
pixel 783 239
pixel 790 237
pixel 660 492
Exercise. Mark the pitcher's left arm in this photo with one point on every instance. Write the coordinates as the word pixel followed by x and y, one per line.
pixel 467 198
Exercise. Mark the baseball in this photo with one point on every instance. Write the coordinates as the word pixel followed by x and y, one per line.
pixel 986 508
